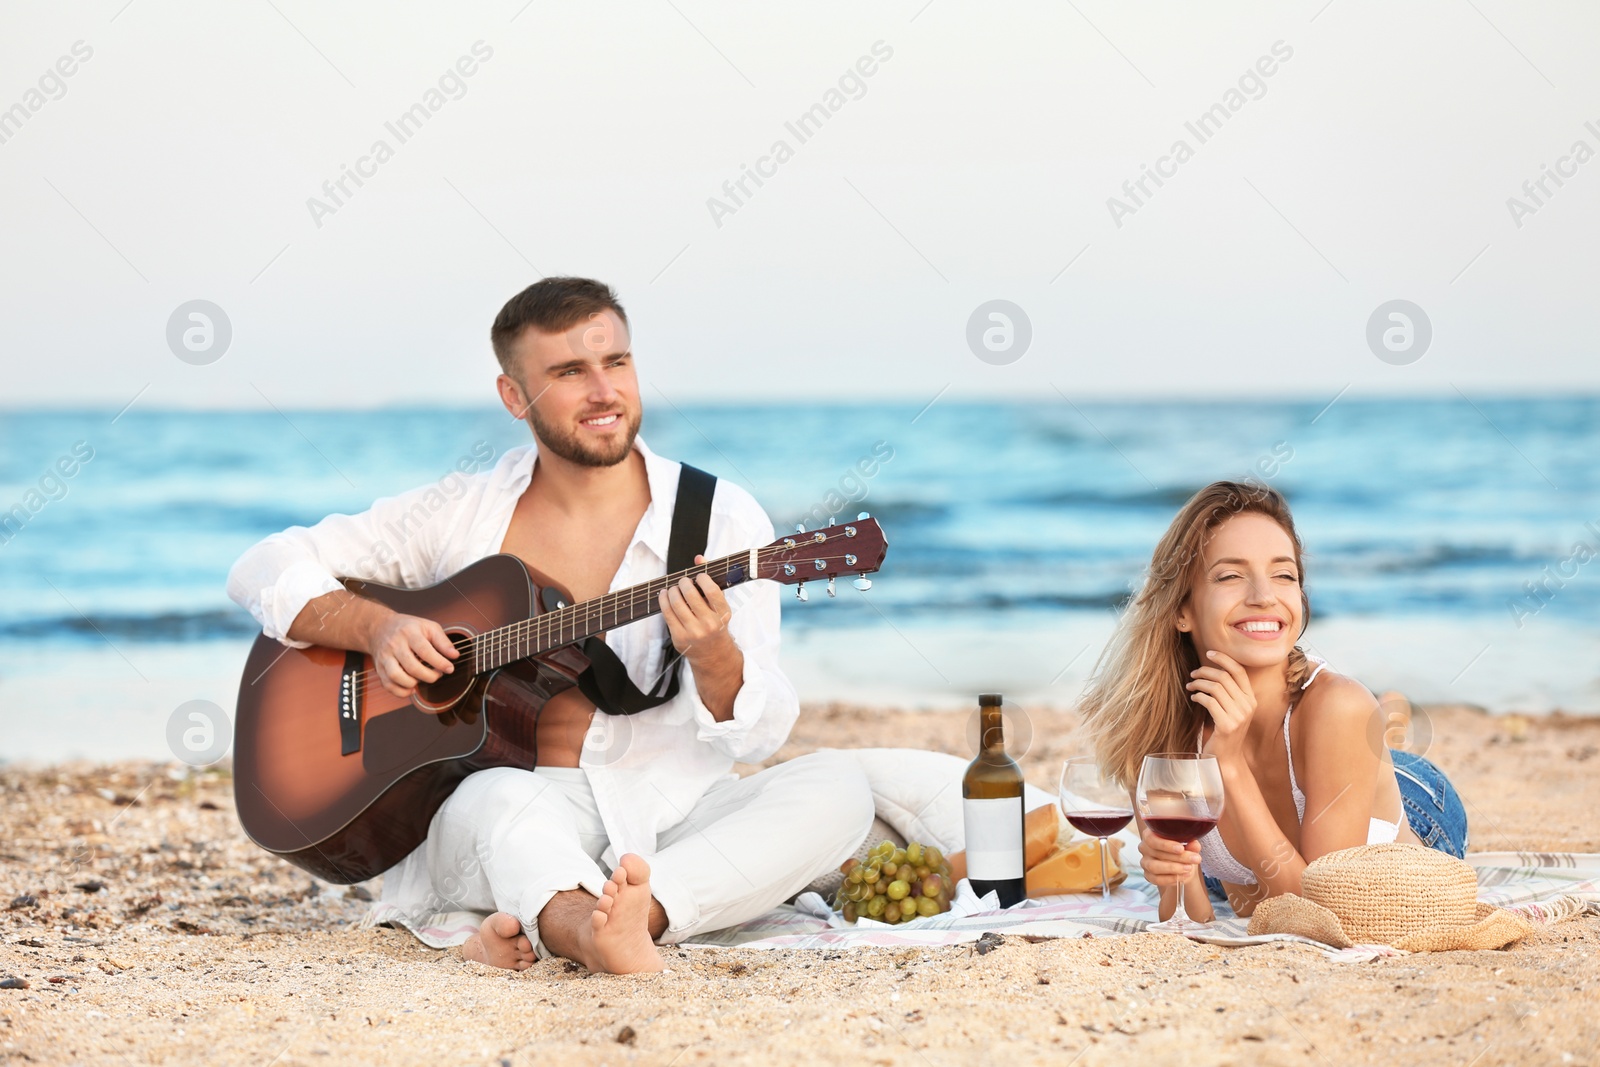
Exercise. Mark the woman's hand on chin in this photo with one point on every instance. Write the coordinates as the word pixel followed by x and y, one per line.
pixel 1223 689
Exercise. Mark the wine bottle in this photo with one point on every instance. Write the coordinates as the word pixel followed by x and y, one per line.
pixel 992 808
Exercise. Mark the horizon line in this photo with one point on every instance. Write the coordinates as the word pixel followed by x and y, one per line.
pixel 1352 394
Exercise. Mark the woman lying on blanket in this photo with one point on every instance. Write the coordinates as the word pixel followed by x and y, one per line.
pixel 1206 658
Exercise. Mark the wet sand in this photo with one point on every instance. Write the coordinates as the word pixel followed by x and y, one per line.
pixel 149 930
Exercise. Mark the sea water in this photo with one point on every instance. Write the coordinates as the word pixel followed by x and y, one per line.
pixel 1448 540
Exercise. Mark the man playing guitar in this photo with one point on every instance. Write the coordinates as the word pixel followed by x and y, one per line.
pixel 588 507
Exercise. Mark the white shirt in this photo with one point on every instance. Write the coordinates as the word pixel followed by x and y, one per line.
pixel 646 770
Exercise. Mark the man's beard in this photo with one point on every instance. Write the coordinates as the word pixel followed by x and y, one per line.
pixel 569 443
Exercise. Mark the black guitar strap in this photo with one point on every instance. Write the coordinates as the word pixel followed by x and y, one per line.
pixel 606 682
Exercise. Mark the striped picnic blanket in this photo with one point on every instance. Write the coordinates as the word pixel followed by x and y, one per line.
pixel 1543 886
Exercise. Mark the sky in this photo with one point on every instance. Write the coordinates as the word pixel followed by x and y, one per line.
pixel 1356 154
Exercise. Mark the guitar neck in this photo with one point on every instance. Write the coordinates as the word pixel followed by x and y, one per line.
pixel 577 622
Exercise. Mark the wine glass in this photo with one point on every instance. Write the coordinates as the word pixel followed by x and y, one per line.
pixel 1180 798
pixel 1095 805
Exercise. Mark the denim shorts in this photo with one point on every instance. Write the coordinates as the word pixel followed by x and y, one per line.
pixel 1431 804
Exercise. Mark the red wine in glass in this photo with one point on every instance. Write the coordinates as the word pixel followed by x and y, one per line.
pixel 1183 828
pixel 1179 796
pixel 1099 823
pixel 1094 804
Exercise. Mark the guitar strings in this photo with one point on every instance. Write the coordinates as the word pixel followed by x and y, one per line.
pixel 511 638
pixel 552 623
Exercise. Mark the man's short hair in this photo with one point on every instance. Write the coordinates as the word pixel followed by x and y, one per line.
pixel 551 305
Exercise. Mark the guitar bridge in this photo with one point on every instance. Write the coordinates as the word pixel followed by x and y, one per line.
pixel 350 704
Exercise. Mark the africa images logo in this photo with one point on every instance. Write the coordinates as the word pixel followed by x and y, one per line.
pixel 1251 85
pixel 805 126
pixel 451 85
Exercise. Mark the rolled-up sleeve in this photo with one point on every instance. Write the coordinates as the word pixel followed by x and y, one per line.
pixel 392 542
pixel 766 706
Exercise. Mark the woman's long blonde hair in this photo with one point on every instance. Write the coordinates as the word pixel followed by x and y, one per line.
pixel 1136 703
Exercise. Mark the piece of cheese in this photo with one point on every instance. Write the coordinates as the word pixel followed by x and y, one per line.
pixel 1074 868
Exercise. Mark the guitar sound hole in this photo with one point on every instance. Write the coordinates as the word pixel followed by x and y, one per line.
pixel 450 688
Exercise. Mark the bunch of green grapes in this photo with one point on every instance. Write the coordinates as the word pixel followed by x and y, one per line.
pixel 895 885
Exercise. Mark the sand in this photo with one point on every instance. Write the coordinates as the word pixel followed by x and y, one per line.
pixel 150 931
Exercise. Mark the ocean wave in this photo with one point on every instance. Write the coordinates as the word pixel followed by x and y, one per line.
pixel 1408 507
pixel 980 604
pixel 893 513
pixel 157 628
pixel 1169 497
pixel 1377 558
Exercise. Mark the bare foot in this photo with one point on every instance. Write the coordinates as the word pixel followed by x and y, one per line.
pixel 500 942
pixel 617 937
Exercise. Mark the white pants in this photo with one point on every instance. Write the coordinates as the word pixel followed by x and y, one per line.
pixel 509 840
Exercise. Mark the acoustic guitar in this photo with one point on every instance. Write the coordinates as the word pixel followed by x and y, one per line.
pixel 341 778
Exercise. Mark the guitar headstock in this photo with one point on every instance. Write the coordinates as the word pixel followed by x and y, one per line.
pixel 850 548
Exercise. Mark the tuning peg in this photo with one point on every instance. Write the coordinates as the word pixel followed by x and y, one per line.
pixel 862 583
pixel 831 591
pixel 862 515
pixel 832 521
pixel 800 592
pixel 799 527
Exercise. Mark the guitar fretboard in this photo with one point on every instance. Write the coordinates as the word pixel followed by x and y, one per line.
pixel 575 622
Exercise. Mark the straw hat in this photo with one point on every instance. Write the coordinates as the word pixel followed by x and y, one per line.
pixel 1412 898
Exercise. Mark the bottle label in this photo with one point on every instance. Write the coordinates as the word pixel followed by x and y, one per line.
pixel 994 838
